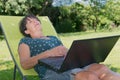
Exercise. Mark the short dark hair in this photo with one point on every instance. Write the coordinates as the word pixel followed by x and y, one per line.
pixel 22 24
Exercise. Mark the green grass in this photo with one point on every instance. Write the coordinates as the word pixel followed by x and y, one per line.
pixel 6 63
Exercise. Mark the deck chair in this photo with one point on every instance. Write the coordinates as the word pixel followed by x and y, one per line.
pixel 9 25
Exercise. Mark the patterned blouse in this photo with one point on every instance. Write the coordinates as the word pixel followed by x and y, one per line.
pixel 39 45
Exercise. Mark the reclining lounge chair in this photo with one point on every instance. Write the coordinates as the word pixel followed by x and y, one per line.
pixel 10 27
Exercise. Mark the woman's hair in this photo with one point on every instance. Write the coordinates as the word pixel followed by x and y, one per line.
pixel 22 24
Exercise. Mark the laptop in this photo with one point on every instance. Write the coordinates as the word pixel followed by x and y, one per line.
pixel 82 53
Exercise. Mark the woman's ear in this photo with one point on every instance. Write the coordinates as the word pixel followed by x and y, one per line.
pixel 27 32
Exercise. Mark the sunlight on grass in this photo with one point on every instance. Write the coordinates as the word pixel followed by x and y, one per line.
pixel 6 65
pixel 4 52
pixel 68 38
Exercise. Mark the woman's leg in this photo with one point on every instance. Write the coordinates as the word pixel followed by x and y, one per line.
pixel 98 69
pixel 103 72
pixel 86 75
pixel 110 76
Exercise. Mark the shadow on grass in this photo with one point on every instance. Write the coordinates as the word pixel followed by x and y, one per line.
pixel 6 72
pixel 8 75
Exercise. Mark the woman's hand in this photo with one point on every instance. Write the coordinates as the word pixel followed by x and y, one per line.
pixel 58 51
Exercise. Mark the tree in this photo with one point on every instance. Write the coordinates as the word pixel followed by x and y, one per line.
pixel 78 16
pixel 113 11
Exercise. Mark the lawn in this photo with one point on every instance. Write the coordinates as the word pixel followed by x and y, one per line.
pixel 112 61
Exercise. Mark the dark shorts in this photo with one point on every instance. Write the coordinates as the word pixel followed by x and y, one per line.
pixel 68 75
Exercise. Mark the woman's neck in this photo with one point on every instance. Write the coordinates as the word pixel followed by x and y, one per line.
pixel 36 35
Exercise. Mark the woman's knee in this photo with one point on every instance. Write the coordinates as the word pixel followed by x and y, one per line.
pixel 99 69
pixel 86 75
pixel 95 67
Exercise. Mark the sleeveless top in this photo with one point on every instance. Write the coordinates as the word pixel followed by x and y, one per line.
pixel 39 45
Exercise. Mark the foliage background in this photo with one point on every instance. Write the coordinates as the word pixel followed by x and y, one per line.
pixel 74 18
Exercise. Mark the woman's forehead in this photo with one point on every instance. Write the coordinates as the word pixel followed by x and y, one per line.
pixel 31 18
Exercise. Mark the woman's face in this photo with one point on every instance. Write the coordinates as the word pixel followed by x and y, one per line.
pixel 33 25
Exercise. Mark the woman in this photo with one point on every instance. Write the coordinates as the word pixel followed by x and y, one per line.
pixel 35 46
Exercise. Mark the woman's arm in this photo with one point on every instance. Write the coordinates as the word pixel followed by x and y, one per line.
pixel 28 62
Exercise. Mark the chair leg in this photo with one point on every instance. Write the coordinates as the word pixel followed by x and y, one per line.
pixel 14 74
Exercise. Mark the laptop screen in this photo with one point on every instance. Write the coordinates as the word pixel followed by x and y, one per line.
pixel 87 51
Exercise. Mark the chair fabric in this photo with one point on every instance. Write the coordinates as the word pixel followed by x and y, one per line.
pixel 10 27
